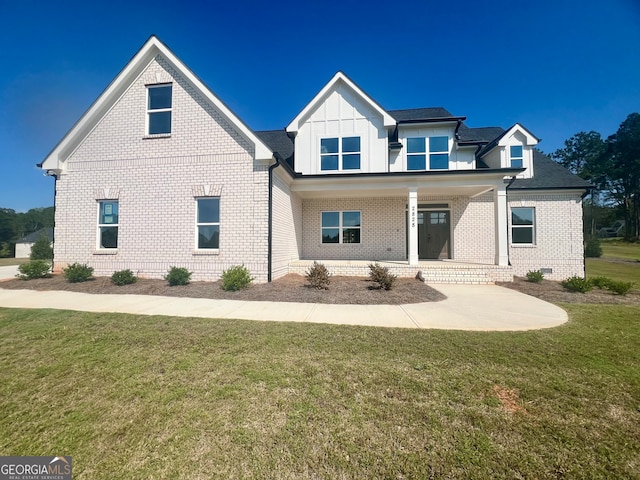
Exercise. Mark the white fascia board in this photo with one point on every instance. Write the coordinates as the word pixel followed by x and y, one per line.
pixel 87 122
pixel 531 139
pixel 294 126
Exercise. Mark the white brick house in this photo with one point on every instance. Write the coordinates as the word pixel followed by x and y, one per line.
pixel 159 172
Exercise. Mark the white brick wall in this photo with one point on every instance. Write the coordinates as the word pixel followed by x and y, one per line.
pixel 558 232
pixel 156 181
pixel 287 226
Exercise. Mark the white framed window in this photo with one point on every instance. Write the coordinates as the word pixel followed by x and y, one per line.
pixel 208 223
pixel 108 222
pixel 159 104
pixel 523 221
pixel 439 153
pixel 436 149
pixel 340 153
pixel 341 227
pixel 515 156
pixel 416 153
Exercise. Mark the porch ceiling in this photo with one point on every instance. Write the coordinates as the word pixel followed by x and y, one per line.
pixel 396 186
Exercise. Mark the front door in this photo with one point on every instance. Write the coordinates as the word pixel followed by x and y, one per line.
pixel 434 234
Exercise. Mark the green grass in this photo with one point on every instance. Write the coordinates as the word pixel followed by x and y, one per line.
pixel 136 397
pixel 614 248
pixel 625 272
pixel 4 262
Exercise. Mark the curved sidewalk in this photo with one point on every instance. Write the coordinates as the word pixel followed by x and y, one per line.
pixel 467 307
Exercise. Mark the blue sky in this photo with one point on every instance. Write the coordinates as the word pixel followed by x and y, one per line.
pixel 556 66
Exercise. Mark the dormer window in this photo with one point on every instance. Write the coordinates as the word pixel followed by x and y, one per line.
pixel 159 104
pixel 439 153
pixel 340 153
pixel 416 153
pixel 515 155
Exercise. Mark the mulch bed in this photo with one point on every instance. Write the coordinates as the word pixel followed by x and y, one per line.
pixel 290 288
pixel 551 291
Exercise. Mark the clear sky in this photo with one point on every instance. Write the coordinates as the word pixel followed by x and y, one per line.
pixel 556 66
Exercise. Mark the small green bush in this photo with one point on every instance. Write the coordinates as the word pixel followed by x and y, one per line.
pixel 619 288
pixel 178 276
pixel 593 249
pixel 381 276
pixel 76 273
pixel 535 276
pixel 600 282
pixel 41 250
pixel 318 276
pixel 123 277
pixel 236 278
pixel 34 269
pixel 577 284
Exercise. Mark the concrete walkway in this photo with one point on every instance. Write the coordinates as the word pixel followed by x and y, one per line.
pixel 467 307
pixel 8 272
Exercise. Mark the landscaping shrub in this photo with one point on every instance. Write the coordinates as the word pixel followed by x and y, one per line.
pixel 123 277
pixel 41 250
pixel 236 278
pixel 618 287
pixel 178 276
pixel 34 269
pixel 601 282
pixel 577 284
pixel 593 248
pixel 76 273
pixel 535 276
pixel 381 276
pixel 318 276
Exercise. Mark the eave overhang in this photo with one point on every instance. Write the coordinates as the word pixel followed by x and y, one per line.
pixel 468 183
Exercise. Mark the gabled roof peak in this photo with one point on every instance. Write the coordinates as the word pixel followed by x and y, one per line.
pixel 339 77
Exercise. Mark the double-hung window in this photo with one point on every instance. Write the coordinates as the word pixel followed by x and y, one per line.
pixel 107 224
pixel 416 153
pixel 439 153
pixel 159 104
pixel 515 154
pixel 523 225
pixel 340 153
pixel 341 227
pixel 208 223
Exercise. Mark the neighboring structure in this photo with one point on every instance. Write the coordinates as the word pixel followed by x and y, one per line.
pixel 159 172
pixel 23 246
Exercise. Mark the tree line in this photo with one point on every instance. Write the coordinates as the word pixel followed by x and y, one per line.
pixel 612 165
pixel 15 225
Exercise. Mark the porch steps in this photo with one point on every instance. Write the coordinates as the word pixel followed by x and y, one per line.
pixel 432 271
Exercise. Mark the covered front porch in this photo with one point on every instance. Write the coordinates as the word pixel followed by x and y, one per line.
pixel 433 271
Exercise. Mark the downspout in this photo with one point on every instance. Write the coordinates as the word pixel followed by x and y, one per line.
pixel 513 179
pixel 270 219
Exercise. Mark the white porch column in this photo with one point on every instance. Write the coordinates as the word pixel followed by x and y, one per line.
pixel 500 206
pixel 413 226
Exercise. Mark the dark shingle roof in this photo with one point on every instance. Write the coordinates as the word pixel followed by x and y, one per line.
pixel 279 142
pixel 549 174
pixel 32 237
pixel 479 135
pixel 417 114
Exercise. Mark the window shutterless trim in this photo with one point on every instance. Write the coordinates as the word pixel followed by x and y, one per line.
pixel 158 110
pixel 101 224
pixel 341 227
pixel 199 224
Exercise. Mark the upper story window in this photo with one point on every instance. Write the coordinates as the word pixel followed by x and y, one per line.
pixel 159 109
pixel 438 153
pixel 108 224
pixel 515 155
pixel 340 153
pixel 416 153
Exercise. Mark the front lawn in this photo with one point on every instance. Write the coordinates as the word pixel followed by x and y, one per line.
pixel 5 262
pixel 137 397
pixel 615 248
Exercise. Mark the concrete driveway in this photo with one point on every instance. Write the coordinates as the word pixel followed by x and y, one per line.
pixel 467 307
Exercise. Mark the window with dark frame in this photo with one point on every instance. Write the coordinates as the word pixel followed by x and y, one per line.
pixel 159 104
